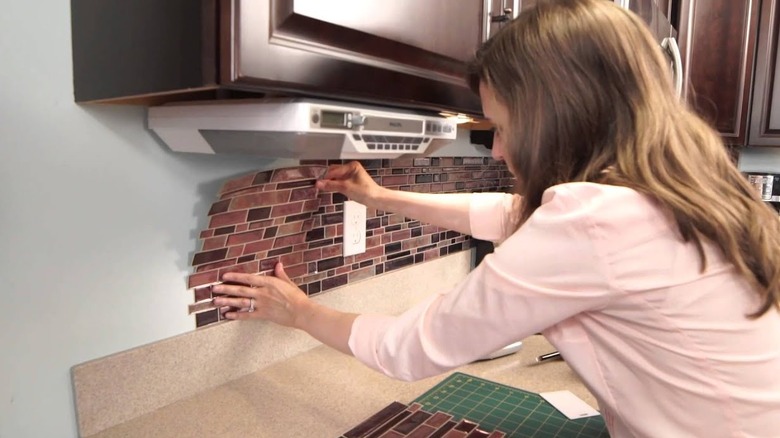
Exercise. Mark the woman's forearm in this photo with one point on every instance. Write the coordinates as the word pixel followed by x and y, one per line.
pixel 450 210
pixel 329 326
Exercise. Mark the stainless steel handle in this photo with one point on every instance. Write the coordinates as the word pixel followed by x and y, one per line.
pixel 670 46
pixel 486 13
pixel 507 15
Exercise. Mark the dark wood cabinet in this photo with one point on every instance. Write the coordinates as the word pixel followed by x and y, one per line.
pixel 406 52
pixel 765 120
pixel 717 41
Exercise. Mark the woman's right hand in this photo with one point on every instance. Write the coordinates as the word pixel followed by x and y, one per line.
pixel 351 180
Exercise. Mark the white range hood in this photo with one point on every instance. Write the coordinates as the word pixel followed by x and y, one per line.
pixel 299 128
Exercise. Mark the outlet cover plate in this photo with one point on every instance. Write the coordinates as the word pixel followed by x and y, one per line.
pixel 354 228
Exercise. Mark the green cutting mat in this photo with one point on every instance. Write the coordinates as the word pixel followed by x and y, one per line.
pixel 513 411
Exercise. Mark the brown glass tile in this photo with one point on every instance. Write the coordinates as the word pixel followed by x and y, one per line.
pixel 477 433
pixel 297 217
pixel 258 214
pixel 295 184
pixel 204 257
pixel 305 193
pixel 424 431
pixel 214 243
pixel 235 251
pixel 205 318
pixel 224 230
pixel 455 434
pixel 289 240
pixel 217 265
pixel 225 219
pixel 261 199
pixel 287 209
pixel 394 180
pixel 330 283
pixel 496 434
pixel 412 422
pixel 313 288
pixel 237 184
pixel 262 178
pixel 379 431
pixel 392 434
pixel 324 265
pixel 398 263
pixel 295 258
pixel 320 243
pixel 287 229
pixel 280 251
pixel 361 274
pixel 376 420
pixel 466 426
pixel 258 248
pixel 203 293
pixel 245 259
pixel 443 429
pixel 200 306
pixel 438 418
pixel 219 207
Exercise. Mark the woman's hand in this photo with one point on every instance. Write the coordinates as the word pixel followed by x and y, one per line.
pixel 352 180
pixel 277 299
pixel 273 298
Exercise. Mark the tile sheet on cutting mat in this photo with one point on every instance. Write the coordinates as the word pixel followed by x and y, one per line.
pixel 513 411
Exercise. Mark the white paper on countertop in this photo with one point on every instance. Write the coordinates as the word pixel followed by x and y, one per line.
pixel 569 404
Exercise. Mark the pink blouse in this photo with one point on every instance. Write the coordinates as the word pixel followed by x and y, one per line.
pixel 665 348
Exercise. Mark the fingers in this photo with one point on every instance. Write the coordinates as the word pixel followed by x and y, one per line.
pixel 279 272
pixel 336 177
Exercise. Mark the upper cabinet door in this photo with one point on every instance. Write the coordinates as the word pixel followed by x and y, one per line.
pixel 717 40
pixel 765 116
pixel 409 52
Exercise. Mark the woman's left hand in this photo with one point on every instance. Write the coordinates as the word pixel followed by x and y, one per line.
pixel 274 298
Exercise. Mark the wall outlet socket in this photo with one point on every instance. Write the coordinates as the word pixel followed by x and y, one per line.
pixel 354 228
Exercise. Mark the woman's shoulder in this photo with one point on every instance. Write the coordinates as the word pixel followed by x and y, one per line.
pixel 605 205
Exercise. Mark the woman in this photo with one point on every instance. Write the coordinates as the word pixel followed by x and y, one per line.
pixel 633 243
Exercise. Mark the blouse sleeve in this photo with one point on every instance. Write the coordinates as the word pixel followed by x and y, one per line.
pixel 547 271
pixel 490 215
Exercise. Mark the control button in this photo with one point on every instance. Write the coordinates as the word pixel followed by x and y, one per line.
pixel 356 137
pixel 408 147
pixel 395 147
pixel 349 124
pixel 371 146
pixel 386 147
pixel 417 140
pixel 426 140
pixel 315 118
pixel 369 138
pixel 447 128
pixel 415 147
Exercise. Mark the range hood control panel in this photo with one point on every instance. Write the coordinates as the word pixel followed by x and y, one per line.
pixel 300 128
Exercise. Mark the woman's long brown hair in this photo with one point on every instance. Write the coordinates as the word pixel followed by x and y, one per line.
pixel 590 97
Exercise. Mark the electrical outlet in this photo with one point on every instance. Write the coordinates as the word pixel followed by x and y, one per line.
pixel 354 228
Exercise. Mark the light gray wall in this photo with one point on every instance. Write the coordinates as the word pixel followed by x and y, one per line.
pixel 98 221
pixel 97 224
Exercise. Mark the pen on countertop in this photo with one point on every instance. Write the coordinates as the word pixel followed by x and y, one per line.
pixel 549 356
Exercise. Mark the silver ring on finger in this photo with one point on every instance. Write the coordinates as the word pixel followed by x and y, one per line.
pixel 251 305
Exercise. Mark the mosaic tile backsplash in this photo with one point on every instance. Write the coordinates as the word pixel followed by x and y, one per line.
pixel 278 215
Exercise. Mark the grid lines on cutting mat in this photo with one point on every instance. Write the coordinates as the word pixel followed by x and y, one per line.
pixel 516 412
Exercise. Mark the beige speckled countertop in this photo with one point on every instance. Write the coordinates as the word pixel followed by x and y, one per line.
pixel 323 393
